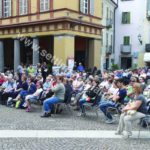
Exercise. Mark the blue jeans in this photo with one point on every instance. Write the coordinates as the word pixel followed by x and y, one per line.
pixel 103 107
pixel 48 103
pixel 81 102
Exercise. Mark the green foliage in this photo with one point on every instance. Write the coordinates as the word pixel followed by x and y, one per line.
pixel 115 67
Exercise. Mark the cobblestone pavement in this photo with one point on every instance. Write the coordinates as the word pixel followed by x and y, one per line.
pixel 20 120
pixel 12 119
pixel 73 144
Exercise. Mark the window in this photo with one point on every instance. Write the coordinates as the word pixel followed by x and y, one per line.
pixel 6 8
pixel 126 40
pixel 23 7
pixel 87 6
pixel 126 17
pixel 111 15
pixel 107 13
pixel 107 39
pixel 44 5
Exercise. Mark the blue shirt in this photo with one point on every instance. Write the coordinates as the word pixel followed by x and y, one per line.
pixel 122 94
pixel 80 68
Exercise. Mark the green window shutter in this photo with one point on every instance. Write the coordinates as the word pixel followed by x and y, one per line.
pixel 128 17
pixel 126 40
pixel 123 16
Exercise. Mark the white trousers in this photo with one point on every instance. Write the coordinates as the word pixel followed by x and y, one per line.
pixel 125 122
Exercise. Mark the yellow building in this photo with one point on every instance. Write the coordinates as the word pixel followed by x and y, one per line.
pixel 33 31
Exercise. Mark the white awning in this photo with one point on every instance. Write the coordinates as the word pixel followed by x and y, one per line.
pixel 147 57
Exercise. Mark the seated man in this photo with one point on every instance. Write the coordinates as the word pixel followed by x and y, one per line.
pixel 119 97
pixel 59 93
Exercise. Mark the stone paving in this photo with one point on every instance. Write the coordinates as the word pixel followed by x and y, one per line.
pixel 12 119
pixel 73 144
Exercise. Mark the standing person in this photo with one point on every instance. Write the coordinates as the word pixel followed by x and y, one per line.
pixel 44 71
pixel 75 66
pixel 39 69
pixel 59 95
pixel 31 70
pixel 80 68
pixel 131 112
pixel 20 70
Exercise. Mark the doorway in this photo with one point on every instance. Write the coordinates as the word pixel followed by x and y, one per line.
pixel 126 62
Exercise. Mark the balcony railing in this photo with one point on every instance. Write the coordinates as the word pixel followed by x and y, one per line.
pixel 125 49
pixel 109 23
pixel 147 48
pixel 108 50
pixel 148 10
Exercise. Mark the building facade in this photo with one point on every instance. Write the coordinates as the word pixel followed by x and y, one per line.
pixel 33 31
pixel 108 15
pixel 146 37
pixel 132 33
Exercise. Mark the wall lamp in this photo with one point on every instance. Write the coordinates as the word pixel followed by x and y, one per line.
pixel 140 39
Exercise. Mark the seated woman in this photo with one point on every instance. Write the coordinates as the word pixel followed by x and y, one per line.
pixel 33 97
pixel 78 85
pixel 89 96
pixel 24 92
pixel 7 88
pixel 21 86
pixel 59 95
pixel 131 112
pixel 2 78
pixel 112 91
pixel 86 87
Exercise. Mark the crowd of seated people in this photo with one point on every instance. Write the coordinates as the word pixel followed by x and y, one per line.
pixel 111 88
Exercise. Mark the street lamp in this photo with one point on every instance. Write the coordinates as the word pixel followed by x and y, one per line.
pixel 140 39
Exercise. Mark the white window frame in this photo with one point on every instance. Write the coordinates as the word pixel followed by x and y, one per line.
pixel 84 6
pixel 7 8
pixel 44 5
pixel 23 7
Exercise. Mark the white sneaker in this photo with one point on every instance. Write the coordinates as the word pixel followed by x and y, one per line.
pixel 110 121
pixel 118 133
pixel 81 115
pixel 126 135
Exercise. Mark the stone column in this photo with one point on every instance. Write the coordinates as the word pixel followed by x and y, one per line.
pixel 95 53
pixel 64 47
pixel 1 56
pixel 16 54
pixel 36 48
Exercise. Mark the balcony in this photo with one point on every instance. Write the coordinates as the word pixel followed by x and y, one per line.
pixel 148 10
pixel 147 48
pixel 108 50
pixel 109 23
pixel 125 49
